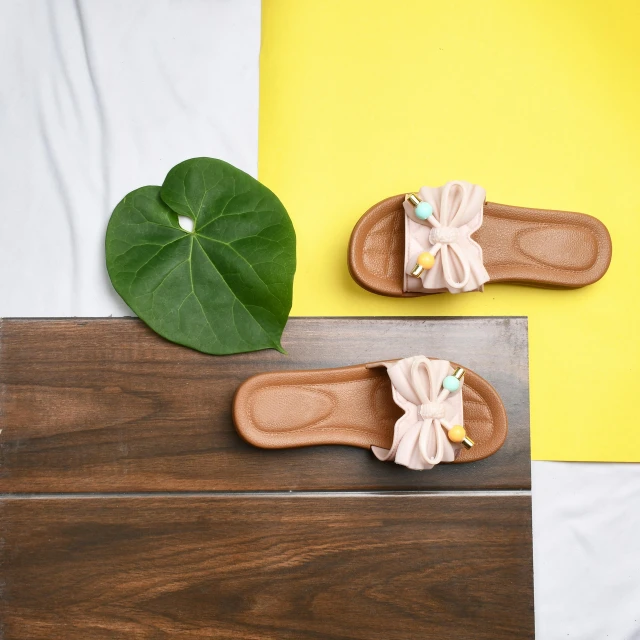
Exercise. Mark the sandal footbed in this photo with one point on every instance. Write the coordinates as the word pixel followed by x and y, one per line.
pixel 553 249
pixel 350 406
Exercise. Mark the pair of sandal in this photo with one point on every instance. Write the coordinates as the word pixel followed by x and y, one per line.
pixel 419 411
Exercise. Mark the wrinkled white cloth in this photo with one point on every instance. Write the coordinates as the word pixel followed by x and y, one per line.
pixel 586 548
pixel 100 98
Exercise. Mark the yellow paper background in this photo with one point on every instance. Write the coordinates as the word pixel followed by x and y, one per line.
pixel 536 101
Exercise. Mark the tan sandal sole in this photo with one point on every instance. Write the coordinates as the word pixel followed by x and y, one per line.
pixel 554 249
pixel 351 406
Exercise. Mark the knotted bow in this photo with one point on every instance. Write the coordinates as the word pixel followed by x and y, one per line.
pixel 446 235
pixel 420 436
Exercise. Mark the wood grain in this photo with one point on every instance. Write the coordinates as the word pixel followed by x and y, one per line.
pixel 268 567
pixel 108 406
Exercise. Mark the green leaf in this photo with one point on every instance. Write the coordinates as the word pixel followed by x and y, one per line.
pixel 226 287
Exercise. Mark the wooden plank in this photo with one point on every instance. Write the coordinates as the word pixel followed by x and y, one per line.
pixel 268 567
pixel 108 406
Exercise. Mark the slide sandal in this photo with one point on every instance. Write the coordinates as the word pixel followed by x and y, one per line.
pixel 449 239
pixel 416 412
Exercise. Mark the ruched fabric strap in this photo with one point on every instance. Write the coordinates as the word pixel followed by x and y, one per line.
pixel 420 436
pixel 446 234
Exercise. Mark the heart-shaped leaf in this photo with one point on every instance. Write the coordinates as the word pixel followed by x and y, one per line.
pixel 226 286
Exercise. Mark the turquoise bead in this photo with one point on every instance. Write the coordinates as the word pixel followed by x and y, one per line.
pixel 451 383
pixel 424 210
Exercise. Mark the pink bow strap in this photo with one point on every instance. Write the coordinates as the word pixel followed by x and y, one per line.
pixel 420 436
pixel 446 234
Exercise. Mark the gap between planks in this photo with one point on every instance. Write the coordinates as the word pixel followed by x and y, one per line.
pixel 499 493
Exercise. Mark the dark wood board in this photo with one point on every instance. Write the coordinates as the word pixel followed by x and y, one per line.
pixel 106 405
pixel 266 567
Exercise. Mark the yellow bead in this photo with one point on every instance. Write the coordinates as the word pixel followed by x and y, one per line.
pixel 426 260
pixel 457 433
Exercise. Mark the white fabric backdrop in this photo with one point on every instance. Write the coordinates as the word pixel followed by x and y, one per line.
pixel 586 546
pixel 100 97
